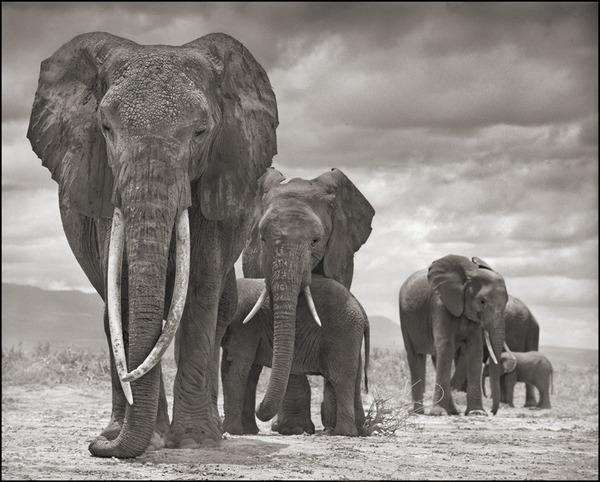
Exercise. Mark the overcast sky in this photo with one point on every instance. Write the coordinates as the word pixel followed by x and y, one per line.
pixel 471 129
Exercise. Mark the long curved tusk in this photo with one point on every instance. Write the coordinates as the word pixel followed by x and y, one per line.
pixel 489 346
pixel 182 275
pixel 510 353
pixel 257 305
pixel 115 262
pixel 311 305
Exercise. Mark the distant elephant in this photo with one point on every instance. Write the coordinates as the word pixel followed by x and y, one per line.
pixel 522 334
pixel 301 227
pixel 157 151
pixel 453 302
pixel 530 367
pixel 332 350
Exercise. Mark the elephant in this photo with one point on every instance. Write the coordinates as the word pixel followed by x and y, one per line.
pixel 453 302
pixel 301 227
pixel 522 334
pixel 530 367
pixel 157 151
pixel 327 344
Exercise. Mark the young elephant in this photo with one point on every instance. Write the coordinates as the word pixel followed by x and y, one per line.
pixel 529 367
pixel 331 349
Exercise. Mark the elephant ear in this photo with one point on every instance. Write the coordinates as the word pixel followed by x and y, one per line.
pixel 252 256
pixel 509 364
pixel 481 263
pixel 351 226
pixel 448 276
pixel 63 127
pixel 246 143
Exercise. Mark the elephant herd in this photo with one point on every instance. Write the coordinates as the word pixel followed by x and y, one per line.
pixel 162 156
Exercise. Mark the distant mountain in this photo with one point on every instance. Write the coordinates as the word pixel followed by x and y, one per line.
pixel 72 318
pixel 31 315
pixel 385 333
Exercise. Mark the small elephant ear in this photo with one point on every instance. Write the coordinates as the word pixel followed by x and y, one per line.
pixel 351 226
pixel 246 143
pixel 481 263
pixel 508 363
pixel 63 128
pixel 448 276
pixel 252 256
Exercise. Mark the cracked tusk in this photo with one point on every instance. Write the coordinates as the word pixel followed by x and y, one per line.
pixel 115 263
pixel 311 305
pixel 180 287
pixel 257 305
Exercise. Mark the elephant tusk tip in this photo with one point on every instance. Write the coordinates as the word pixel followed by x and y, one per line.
pixel 127 392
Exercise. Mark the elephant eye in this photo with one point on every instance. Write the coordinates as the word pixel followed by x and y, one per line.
pixel 482 301
pixel 106 128
pixel 314 242
pixel 199 131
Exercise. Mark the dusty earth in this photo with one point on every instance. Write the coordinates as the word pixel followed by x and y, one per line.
pixel 46 431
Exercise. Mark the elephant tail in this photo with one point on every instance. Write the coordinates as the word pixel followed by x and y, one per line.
pixel 367 334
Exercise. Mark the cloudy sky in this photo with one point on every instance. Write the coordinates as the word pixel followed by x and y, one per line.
pixel 471 129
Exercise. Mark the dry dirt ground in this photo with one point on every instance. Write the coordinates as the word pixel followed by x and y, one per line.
pixel 46 431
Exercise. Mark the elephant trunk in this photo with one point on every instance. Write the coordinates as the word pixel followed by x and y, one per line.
pixel 149 213
pixel 285 284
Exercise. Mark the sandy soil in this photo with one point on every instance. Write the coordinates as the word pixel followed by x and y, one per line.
pixel 45 433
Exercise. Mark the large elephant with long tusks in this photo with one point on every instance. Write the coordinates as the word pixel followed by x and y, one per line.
pixel 157 151
pixel 456 301
pixel 300 227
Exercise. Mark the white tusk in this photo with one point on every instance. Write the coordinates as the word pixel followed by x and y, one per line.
pixel 311 305
pixel 115 261
pixel 510 353
pixel 257 305
pixel 489 346
pixel 180 287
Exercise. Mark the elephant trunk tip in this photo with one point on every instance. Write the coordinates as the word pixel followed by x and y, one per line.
pixel 265 413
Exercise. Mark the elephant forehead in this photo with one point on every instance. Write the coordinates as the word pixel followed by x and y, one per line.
pixel 154 90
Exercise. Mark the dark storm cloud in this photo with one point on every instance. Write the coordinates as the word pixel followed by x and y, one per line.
pixel 471 128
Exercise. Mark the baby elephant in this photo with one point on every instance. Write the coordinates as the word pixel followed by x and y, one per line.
pixel 332 350
pixel 530 367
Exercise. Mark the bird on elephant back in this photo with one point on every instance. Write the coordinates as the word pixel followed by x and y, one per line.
pixel 301 228
pixel 157 151
pixel 522 335
pixel 455 301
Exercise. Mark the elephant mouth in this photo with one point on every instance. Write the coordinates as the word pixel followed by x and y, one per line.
pixel 115 258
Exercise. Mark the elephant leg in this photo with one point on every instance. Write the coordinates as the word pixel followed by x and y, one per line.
pixel 195 419
pixel 235 372
pixel 345 423
pixel 442 395
pixel 503 388
pixel 511 380
pixel 294 415
pixel 328 406
pixel 119 403
pixel 163 424
pixel 359 411
pixel 530 399
pixel 249 405
pixel 544 390
pixel 416 365
pixel 473 354
pixel 459 379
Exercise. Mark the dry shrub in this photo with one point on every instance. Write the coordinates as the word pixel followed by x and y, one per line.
pixel 46 366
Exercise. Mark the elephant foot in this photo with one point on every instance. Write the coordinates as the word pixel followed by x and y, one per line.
pixel 544 406
pixel 157 442
pixel 239 429
pixel 530 403
pixel 476 412
pixel 295 429
pixel 437 410
pixel 418 410
pixel 349 431
pixel 196 436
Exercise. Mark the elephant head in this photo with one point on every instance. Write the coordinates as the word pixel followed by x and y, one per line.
pixel 140 134
pixel 471 288
pixel 301 227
